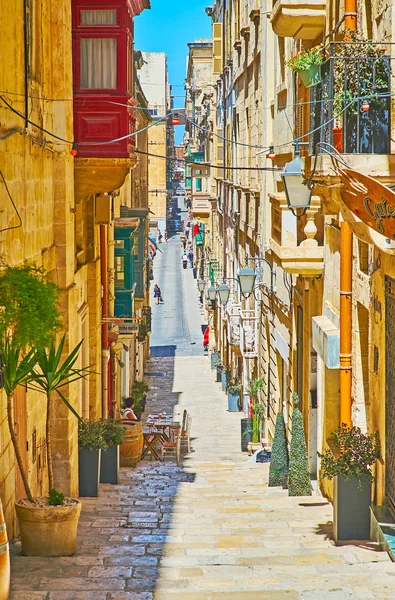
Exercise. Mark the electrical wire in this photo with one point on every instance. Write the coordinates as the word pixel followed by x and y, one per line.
pixel 156 122
pixel 13 204
pixel 206 164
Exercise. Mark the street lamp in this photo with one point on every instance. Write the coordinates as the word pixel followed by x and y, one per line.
pixel 297 189
pixel 246 278
pixel 201 285
pixel 224 293
pixel 212 293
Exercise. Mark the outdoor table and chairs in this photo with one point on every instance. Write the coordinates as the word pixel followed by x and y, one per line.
pixel 158 430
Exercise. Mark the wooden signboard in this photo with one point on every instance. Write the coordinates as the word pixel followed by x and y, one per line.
pixel 370 201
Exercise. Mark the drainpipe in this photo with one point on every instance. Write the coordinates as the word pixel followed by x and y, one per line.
pixel 26 61
pixel 104 354
pixel 346 283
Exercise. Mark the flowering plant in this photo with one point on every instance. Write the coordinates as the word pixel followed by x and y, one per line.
pixel 304 59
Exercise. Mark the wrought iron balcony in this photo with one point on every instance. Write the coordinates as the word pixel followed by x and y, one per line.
pixel 351 106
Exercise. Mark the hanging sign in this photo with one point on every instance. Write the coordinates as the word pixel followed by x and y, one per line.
pixel 369 200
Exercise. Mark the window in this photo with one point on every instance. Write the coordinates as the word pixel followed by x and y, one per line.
pixel 98 17
pixel 119 271
pixel 198 184
pixel 98 63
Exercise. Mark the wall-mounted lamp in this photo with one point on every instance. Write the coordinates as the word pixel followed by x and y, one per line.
pixel 297 189
pixel 224 293
pixel 246 278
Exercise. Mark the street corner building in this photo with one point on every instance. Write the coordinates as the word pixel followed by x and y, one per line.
pixel 71 184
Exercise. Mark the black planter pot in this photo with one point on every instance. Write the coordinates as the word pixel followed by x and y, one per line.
pixel 194 270
pixel 109 465
pixel 351 509
pixel 219 374
pixel 246 433
pixel 89 472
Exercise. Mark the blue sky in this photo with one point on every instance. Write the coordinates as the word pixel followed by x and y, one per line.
pixel 168 27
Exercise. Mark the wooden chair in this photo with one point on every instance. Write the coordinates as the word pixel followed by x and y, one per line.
pixel 173 446
pixel 186 433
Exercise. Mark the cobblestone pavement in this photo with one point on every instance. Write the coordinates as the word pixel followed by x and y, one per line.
pixel 210 529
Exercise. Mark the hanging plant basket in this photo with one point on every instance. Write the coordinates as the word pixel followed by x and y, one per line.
pixel 310 76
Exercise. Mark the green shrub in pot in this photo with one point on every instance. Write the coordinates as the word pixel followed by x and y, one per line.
pixel 113 432
pixel 91 442
pixel 350 465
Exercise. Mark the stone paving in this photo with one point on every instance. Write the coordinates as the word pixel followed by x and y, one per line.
pixel 210 529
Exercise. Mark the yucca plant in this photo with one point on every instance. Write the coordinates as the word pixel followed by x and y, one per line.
pixel 29 320
pixel 258 409
pixel 18 369
pixel 49 376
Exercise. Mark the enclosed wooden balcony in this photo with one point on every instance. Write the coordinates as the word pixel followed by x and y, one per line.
pixel 297 243
pixel 298 19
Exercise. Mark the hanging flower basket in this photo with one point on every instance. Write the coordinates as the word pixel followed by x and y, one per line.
pixel 310 76
pixel 307 64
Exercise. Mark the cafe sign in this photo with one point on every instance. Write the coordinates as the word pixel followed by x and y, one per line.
pixel 371 201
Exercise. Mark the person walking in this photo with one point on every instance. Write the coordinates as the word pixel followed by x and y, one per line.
pixel 160 237
pixel 157 294
pixel 166 236
pixel 185 260
pixel 190 258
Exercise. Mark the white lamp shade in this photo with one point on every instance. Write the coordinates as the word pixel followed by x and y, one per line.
pixel 246 278
pixel 201 285
pixel 224 293
pixel 212 292
pixel 298 194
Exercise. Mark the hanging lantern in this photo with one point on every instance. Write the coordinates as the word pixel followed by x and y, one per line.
pixel 74 150
pixel 175 119
pixel 272 154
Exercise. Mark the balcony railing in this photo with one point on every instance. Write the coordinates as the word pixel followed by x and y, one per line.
pixel 337 117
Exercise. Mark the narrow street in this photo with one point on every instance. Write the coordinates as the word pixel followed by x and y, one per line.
pixel 210 528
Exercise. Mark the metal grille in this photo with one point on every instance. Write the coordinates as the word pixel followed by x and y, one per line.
pixel 390 394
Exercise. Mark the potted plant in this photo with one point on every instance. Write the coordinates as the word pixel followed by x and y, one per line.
pixel 233 390
pixel 299 483
pixel 219 368
pixel 246 433
pixel 29 320
pixel 91 442
pixel 225 376
pixel 279 459
pixel 112 432
pixel 307 64
pixel 350 466
pixel 258 413
pixel 214 359
pixel 142 332
pixel 139 394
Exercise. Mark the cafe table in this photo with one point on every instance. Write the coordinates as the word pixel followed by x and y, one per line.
pixel 163 422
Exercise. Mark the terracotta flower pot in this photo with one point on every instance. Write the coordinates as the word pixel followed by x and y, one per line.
pixel 48 530
pixel 338 138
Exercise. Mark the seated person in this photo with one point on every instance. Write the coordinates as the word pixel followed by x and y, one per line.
pixel 128 413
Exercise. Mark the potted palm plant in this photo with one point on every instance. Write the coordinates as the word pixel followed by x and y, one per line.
pixel 91 442
pixel 214 359
pixel 350 465
pixel 307 64
pixel 29 320
pixel 112 432
pixel 233 390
